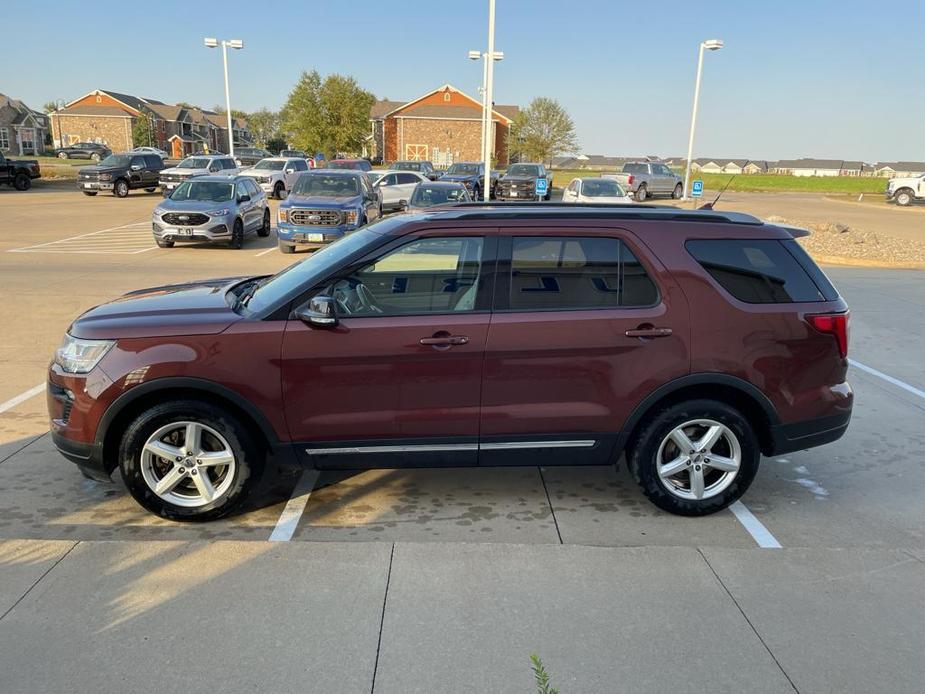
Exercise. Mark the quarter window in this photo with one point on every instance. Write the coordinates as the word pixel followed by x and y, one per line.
pixel 577 273
pixel 434 275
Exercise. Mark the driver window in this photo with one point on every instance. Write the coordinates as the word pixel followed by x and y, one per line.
pixel 433 275
pixel 239 190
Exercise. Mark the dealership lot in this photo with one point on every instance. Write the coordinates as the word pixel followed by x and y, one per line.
pixel 403 568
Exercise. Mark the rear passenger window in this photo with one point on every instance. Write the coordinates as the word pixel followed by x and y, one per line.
pixel 577 273
pixel 755 271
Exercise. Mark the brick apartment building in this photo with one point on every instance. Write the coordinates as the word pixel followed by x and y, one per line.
pixel 442 126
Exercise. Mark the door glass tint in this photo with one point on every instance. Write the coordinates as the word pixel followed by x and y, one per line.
pixel 577 273
pixel 755 271
pixel 438 275
pixel 404 178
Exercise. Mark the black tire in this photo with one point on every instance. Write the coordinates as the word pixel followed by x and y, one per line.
pixel 22 182
pixel 248 467
pixel 904 197
pixel 91 193
pixel 278 190
pixel 477 194
pixel 264 229
pixel 641 193
pixel 150 190
pixel 120 188
pixel 63 155
pixel 642 456
pixel 677 192
pixel 285 247
pixel 237 235
pixel 163 244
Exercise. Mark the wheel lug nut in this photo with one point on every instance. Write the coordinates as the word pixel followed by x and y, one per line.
pixel 179 458
pixel 193 471
pixel 697 468
pixel 181 470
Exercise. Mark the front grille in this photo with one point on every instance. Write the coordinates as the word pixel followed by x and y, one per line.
pixel 88 176
pixel 185 219
pixel 322 218
pixel 519 188
pixel 171 178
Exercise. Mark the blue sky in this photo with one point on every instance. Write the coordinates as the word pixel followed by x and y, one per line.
pixel 797 78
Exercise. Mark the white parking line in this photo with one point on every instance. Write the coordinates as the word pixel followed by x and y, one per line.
pixel 889 379
pixel 21 398
pixel 760 534
pixel 269 250
pixel 292 513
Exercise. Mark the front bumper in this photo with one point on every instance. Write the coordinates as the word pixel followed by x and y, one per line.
pixel 216 230
pixel 94 185
pixel 307 236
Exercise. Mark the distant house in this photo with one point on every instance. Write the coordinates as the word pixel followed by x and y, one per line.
pixel 819 167
pixel 443 126
pixel 893 169
pixel 22 130
pixel 727 166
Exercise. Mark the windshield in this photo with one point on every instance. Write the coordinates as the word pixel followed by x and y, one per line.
pixel 327 184
pixel 116 160
pixel 635 168
pixel 524 170
pixel 598 188
pixel 194 163
pixel 463 169
pixel 406 166
pixel 271 164
pixel 204 191
pixel 343 165
pixel 291 153
pixel 425 196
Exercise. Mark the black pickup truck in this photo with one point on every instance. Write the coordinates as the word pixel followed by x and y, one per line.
pixel 19 172
pixel 525 182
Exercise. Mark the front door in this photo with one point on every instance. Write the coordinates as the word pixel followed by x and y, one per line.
pixel 585 325
pixel 396 382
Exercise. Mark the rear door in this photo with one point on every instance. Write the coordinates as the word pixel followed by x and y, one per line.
pixel 586 324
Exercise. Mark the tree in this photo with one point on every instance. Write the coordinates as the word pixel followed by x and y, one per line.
pixel 264 125
pixel 542 131
pixel 185 104
pixel 142 133
pixel 49 106
pixel 331 116
pixel 235 113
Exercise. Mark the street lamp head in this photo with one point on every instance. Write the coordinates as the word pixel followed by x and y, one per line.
pixel 474 55
pixel 238 44
pixel 713 44
pixel 498 55
pixel 210 43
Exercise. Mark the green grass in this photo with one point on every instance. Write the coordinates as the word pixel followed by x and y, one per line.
pixel 52 167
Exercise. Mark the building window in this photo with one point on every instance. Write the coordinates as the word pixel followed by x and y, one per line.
pixel 4 138
pixel 99 99
pixel 446 96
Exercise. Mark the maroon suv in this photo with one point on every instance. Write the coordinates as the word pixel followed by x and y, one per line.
pixel 472 335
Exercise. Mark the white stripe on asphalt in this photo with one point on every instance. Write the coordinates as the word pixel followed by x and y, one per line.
pixel 289 518
pixel 755 527
pixel 70 238
pixel 22 397
pixel 889 379
pixel 269 250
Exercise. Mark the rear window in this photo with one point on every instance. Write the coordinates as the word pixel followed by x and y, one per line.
pixel 760 271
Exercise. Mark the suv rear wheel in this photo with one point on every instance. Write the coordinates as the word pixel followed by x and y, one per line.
pixel 695 457
pixel 279 190
pixel 189 460
pixel 641 193
pixel 120 188
pixel 264 229
pixel 677 192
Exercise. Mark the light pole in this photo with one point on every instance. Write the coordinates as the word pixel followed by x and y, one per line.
pixel 710 45
pixel 237 44
pixel 487 99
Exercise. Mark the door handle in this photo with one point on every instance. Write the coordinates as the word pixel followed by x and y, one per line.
pixel 648 331
pixel 444 340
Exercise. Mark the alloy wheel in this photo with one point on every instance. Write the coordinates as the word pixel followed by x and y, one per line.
pixel 699 459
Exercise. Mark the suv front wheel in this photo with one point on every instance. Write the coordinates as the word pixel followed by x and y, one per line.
pixel 189 460
pixel 695 458
pixel 120 188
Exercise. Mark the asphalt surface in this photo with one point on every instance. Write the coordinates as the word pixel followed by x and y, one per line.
pixel 447 580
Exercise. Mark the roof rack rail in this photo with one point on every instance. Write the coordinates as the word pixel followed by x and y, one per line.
pixel 498 209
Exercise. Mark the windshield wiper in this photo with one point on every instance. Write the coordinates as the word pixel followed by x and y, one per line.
pixel 242 299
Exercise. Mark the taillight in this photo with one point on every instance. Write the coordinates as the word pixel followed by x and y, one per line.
pixel 835 324
pixel 630 180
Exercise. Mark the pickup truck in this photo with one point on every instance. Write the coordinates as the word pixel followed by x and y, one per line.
pixel 905 191
pixel 472 175
pixel 19 172
pixel 645 179
pixel 519 183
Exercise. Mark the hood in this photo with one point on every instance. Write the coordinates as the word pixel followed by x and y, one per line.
pixel 193 308
pixel 519 179
pixel 902 181
pixel 184 172
pixel 169 205
pixel 322 201
pixel 458 177
pixel 98 168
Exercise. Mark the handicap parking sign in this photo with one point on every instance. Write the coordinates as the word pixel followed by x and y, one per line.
pixel 697 189
pixel 541 184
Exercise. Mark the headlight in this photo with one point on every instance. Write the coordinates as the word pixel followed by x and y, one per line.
pixel 352 216
pixel 159 211
pixel 220 213
pixel 76 356
pixel 105 177
pixel 282 216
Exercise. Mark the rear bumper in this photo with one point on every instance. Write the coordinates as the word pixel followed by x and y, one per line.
pixel 798 436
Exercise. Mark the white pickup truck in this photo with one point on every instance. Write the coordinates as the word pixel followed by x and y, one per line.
pixel 905 191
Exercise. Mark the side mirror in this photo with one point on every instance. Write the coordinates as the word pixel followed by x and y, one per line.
pixel 403 205
pixel 318 312
pixel 244 198
pixel 135 167
pixel 290 171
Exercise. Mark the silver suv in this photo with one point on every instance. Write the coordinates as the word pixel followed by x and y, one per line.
pixel 216 209
pixel 196 165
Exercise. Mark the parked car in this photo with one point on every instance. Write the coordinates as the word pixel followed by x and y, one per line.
pixel 905 191
pixel 520 182
pixel 425 168
pixel 83 150
pixel 599 190
pixel 323 206
pixel 19 173
pixel 354 164
pixel 217 209
pixel 121 173
pixel 693 342
pixel 298 153
pixel 646 179
pixel 277 175
pixel 150 150
pixel 431 193
pixel 472 175
pixel 395 188
pixel 248 156
pixel 198 165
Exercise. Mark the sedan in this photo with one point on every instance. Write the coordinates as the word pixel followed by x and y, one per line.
pixel 395 188
pixel 432 193
pixel 150 150
pixel 601 190
pixel 84 150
